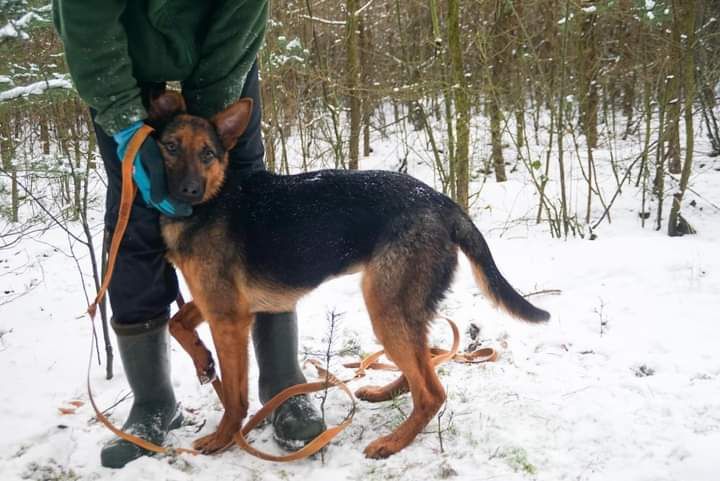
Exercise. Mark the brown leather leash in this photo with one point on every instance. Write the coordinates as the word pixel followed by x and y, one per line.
pixel 127 196
pixel 439 356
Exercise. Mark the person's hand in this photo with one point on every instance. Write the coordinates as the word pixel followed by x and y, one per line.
pixel 149 173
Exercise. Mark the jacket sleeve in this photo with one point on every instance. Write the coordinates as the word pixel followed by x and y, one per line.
pixel 227 53
pixel 96 52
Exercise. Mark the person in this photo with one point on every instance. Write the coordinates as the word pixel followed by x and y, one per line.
pixel 119 54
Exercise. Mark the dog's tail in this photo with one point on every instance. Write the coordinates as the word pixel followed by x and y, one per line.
pixel 487 275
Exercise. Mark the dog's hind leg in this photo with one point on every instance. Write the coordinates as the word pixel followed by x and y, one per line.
pixel 405 343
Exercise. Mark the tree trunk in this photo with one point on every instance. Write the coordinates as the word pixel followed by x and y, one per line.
pixel 353 82
pixel 44 135
pixel 561 123
pixel 685 12
pixel 588 68
pixel 462 107
pixel 496 138
pixel 673 95
pixel 450 148
pixel 365 49
pixel 495 90
pixel 7 151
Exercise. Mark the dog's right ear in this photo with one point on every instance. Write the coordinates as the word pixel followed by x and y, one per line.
pixel 164 107
pixel 232 122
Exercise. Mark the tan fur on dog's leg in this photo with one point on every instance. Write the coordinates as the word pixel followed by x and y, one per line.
pixel 231 339
pixel 376 394
pixel 230 321
pixel 408 349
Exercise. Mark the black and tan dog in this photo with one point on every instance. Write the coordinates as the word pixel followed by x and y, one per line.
pixel 261 243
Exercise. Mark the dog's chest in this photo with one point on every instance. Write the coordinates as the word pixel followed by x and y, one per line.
pixel 189 241
pixel 182 246
pixel 172 233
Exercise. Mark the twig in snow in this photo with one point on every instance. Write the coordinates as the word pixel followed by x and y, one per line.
pixel 32 285
pixel 333 320
pixel 2 335
pixel 109 409
pixel 439 424
pixel 603 318
pixel 555 292
pixel 85 292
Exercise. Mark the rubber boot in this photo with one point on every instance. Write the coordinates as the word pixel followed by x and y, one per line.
pixel 275 340
pixel 144 350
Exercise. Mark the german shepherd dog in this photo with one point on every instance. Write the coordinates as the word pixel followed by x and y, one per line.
pixel 260 243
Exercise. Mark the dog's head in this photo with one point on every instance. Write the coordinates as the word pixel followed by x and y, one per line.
pixel 195 149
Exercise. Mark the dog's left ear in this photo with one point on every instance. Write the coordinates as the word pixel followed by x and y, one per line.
pixel 232 122
pixel 164 107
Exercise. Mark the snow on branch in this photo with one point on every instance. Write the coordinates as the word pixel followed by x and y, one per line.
pixel 363 8
pixel 323 20
pixel 14 28
pixel 337 22
pixel 36 88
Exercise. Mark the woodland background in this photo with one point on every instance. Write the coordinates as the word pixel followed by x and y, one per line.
pixel 570 76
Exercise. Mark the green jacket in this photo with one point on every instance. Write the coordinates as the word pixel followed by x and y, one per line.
pixel 111 45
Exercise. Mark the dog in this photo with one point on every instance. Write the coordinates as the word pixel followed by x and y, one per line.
pixel 260 243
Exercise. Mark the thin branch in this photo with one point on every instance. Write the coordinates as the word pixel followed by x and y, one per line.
pixel 363 8
pixel 323 20
pixel 44 209
pixel 619 189
pixel 555 292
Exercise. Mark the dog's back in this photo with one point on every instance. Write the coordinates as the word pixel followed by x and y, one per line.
pixel 299 230
pixel 302 229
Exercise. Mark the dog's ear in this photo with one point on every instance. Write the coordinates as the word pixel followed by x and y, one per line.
pixel 232 122
pixel 164 107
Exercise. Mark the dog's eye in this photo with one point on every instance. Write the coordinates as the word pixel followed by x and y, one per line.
pixel 207 155
pixel 171 147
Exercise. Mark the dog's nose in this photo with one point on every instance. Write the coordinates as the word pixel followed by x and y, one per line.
pixel 191 191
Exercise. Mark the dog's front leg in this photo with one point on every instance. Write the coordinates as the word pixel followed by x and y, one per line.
pixel 231 336
pixel 183 327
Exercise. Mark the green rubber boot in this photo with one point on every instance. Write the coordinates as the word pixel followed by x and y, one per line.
pixel 145 353
pixel 275 338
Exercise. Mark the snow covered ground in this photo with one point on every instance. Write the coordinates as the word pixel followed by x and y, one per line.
pixel 622 384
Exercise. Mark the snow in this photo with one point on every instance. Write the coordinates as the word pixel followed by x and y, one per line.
pixel 14 28
pixel 35 88
pixel 565 19
pixel 294 44
pixel 623 383
pixel 9 31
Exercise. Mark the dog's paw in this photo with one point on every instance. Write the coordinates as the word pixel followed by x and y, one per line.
pixel 373 394
pixel 212 443
pixel 376 394
pixel 383 447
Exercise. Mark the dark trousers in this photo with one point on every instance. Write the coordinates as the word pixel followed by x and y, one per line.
pixel 144 284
